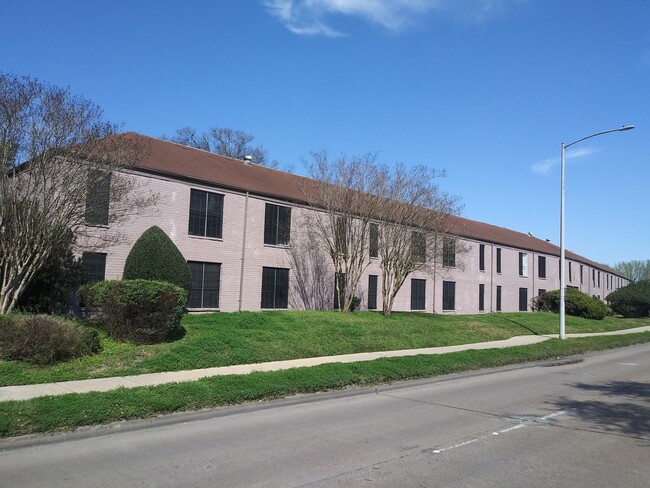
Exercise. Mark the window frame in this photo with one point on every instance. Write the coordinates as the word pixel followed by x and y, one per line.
pixel 207 294
pixel 448 296
pixel 98 194
pixel 277 225
pixel 373 240
pixel 449 252
pixel 523 299
pixel 277 279
pixel 201 217
pixel 541 267
pixel 372 291
pixel 481 257
pixel 523 264
pixel 418 294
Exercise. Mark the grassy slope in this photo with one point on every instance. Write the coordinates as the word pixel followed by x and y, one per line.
pixel 67 412
pixel 224 339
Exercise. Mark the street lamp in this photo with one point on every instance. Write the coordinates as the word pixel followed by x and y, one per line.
pixel 562 249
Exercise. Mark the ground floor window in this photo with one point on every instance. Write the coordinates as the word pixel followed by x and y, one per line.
pixel 449 295
pixel 372 292
pixel 94 266
pixel 523 299
pixel 481 297
pixel 206 280
pixel 498 299
pixel 275 288
pixel 418 294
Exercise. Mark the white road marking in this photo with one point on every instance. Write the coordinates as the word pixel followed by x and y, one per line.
pixel 504 431
pixel 628 364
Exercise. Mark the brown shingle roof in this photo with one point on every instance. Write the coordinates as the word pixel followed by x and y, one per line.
pixel 168 158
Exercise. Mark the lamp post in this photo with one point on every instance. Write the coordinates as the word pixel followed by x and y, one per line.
pixel 562 247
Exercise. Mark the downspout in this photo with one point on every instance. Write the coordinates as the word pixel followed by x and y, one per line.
pixel 492 277
pixel 243 254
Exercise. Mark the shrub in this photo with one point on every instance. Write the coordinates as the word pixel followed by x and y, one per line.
pixel 632 300
pixel 155 257
pixel 142 311
pixel 44 339
pixel 576 303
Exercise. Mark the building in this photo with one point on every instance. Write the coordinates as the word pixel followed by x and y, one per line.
pixel 234 222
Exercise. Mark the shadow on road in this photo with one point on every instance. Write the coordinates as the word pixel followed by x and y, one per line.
pixel 622 407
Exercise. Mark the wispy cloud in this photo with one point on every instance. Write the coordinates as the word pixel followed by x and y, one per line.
pixel 545 166
pixel 315 17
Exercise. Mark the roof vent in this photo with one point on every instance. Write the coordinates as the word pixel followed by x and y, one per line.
pixel 548 240
pixel 530 234
pixel 248 159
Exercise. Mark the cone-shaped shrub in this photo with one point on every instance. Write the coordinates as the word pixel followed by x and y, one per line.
pixel 155 257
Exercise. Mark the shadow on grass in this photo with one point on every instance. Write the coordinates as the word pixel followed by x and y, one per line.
pixel 625 408
pixel 505 318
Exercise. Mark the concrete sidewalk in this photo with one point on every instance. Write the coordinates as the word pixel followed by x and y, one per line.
pixel 26 392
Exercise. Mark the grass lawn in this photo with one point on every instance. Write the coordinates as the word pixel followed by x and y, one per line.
pixel 224 339
pixel 59 413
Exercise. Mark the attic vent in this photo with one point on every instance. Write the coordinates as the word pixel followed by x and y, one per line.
pixel 248 159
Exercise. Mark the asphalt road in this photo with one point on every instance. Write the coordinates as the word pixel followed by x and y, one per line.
pixel 582 424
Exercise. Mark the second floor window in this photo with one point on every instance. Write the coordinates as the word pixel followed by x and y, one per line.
pixel 481 257
pixel 523 264
pixel 449 253
pixel 541 266
pixel 277 225
pixel 418 247
pixel 206 214
pixel 97 197
pixel 373 249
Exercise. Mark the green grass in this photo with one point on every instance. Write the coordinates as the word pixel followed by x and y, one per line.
pixel 225 339
pixel 59 413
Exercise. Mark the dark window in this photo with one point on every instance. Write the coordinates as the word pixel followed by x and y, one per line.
pixel 94 266
pixel 418 294
pixel 449 253
pixel 206 214
pixel 581 279
pixel 449 295
pixel 339 289
pixel 541 266
pixel 541 291
pixel 206 279
pixel 523 264
pixel 341 234
pixel 277 224
pixel 523 299
pixel 372 292
pixel 418 247
pixel 498 298
pixel 481 257
pixel 570 272
pixel 498 260
pixel 599 279
pixel 593 276
pixel 275 288
pixel 97 197
pixel 481 297
pixel 374 241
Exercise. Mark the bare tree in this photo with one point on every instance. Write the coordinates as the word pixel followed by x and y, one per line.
pixel 56 150
pixel 343 202
pixel 227 142
pixel 414 221
pixel 635 270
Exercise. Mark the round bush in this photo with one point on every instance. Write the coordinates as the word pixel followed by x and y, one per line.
pixel 155 257
pixel 576 303
pixel 44 339
pixel 632 300
pixel 142 311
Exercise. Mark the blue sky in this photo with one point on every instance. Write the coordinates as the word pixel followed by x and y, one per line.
pixel 486 89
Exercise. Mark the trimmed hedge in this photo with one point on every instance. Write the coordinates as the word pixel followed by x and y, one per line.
pixel 142 311
pixel 155 257
pixel 44 339
pixel 632 300
pixel 576 303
